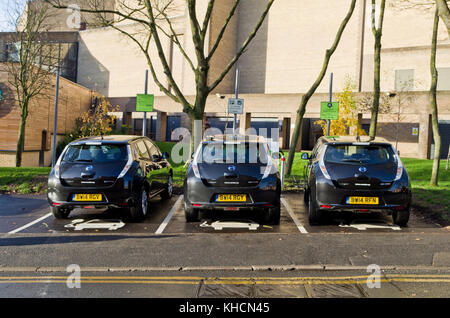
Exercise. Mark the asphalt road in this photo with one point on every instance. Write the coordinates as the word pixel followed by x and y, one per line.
pixel 226 255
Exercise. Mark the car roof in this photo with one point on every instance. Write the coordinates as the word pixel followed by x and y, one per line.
pixel 353 139
pixel 110 138
pixel 237 138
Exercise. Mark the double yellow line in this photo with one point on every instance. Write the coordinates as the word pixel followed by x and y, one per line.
pixel 194 280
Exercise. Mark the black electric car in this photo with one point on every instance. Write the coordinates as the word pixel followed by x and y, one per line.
pixel 233 173
pixel 347 174
pixel 115 171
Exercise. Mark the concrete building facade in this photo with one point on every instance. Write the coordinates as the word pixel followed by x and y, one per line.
pixel 279 66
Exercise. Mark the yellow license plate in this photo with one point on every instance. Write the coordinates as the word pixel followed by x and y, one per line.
pixel 362 200
pixel 87 197
pixel 231 198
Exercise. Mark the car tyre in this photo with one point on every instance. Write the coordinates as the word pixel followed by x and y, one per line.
pixel 190 213
pixel 59 212
pixel 401 218
pixel 139 211
pixel 167 193
pixel 275 214
pixel 315 215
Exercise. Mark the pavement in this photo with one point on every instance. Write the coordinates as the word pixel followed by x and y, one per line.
pixel 224 255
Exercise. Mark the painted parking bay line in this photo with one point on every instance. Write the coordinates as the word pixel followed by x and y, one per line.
pixel 30 224
pixel 166 221
pixel 300 227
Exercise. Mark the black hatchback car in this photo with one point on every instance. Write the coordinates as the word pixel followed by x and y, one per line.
pixel 233 173
pixel 347 174
pixel 115 171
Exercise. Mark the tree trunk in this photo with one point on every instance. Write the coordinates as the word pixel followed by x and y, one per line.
pixel 433 104
pixel 376 87
pixel 444 13
pixel 302 108
pixel 21 139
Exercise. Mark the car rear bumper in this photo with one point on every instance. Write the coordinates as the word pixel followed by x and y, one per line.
pixel 329 197
pixel 116 195
pixel 265 195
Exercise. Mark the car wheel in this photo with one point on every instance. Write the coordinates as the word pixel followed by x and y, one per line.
pixel 60 213
pixel 190 213
pixel 315 216
pixel 167 193
pixel 139 211
pixel 275 215
pixel 401 217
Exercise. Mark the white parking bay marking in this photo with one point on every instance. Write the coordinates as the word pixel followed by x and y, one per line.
pixel 220 225
pixel 79 224
pixel 30 224
pixel 300 227
pixel 364 227
pixel 163 225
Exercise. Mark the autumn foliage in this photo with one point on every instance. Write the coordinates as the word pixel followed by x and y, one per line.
pixel 347 124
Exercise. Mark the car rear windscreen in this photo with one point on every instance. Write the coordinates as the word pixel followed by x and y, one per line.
pixel 233 152
pixel 359 154
pixel 96 153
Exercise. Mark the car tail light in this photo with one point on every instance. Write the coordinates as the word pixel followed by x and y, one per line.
pixel 322 165
pixel 399 166
pixel 57 166
pixel 195 169
pixel 57 174
pixel 128 164
pixel 268 169
pixel 270 166
pixel 325 206
pixel 195 163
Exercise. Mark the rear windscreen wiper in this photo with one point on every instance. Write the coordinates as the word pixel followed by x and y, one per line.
pixel 83 160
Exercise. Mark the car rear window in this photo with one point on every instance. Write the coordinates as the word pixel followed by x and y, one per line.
pixel 96 153
pixel 358 154
pixel 233 152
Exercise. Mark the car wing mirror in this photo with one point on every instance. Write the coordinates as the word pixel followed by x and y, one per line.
pixel 276 155
pixel 156 158
pixel 305 156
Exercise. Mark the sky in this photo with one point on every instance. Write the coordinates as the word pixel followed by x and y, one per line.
pixel 5 6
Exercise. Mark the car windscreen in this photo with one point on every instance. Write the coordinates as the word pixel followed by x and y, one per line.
pixel 233 152
pixel 96 153
pixel 359 154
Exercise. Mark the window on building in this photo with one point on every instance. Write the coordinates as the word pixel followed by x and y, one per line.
pixel 404 80
pixel 443 79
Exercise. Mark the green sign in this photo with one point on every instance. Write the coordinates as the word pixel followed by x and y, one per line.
pixel 329 110
pixel 144 103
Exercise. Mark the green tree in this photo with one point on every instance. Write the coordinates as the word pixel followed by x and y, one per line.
pixel 348 113
pixel 433 103
pixel 28 71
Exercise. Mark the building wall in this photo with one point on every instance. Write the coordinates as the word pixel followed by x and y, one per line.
pixel 73 101
pixel 284 58
pixel 63 19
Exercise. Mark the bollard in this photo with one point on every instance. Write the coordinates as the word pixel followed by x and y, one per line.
pixel 283 163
